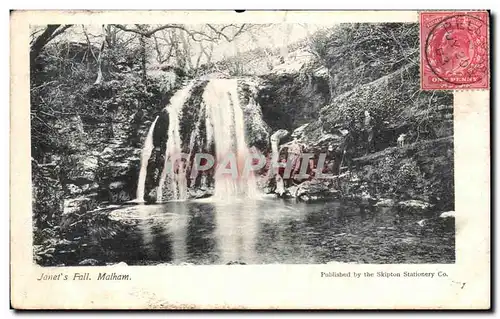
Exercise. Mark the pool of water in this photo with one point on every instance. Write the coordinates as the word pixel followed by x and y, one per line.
pixel 266 231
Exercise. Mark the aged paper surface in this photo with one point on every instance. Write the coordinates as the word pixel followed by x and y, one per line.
pixel 316 268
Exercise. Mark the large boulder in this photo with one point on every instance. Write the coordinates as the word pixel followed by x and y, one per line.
pixel 75 209
pixel 70 130
pixel 119 192
pixel 415 204
pixel 79 205
pixel 315 189
pixel 81 169
pixel 118 173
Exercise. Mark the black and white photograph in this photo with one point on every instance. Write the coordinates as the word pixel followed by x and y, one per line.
pixel 237 144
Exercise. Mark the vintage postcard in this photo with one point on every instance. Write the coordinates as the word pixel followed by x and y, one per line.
pixel 254 160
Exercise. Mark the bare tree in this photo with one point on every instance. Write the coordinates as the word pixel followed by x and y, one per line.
pixel 227 32
pixel 50 32
pixel 111 35
pixel 99 58
pixel 179 40
pixel 186 51
pixel 142 42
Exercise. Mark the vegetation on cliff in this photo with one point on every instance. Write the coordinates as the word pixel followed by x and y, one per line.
pixel 353 88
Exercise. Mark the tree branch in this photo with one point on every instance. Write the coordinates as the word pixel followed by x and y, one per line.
pixel 41 41
pixel 60 31
pixel 50 32
pixel 193 34
pixel 221 34
pixel 88 42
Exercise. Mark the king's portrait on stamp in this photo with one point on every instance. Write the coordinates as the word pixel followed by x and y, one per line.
pixel 455 50
pixel 157 147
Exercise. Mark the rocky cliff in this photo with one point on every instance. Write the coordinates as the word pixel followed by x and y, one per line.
pixel 350 92
pixel 356 95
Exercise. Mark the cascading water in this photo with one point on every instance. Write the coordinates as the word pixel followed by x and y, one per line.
pixel 224 123
pixel 175 172
pixel 275 140
pixel 226 128
pixel 145 155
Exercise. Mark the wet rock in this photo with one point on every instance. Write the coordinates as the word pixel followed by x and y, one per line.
pixel 88 188
pixel 366 197
pixel 81 169
pixel 151 196
pixel 117 185
pixel 317 189
pixel 198 193
pixel 293 191
pixel 118 175
pixel 107 153
pixel 73 189
pixel 299 132
pixel 117 169
pixel 121 263
pixel 415 204
pixel 89 262
pixel 293 94
pixel 277 136
pixel 450 214
pixel 74 208
pixel 79 205
pixel 385 202
pixel 119 196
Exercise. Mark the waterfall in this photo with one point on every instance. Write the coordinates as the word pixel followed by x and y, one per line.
pixel 176 173
pixel 145 155
pixel 226 128
pixel 275 141
pixel 224 120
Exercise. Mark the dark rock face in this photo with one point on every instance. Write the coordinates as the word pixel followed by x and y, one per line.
pixel 291 100
pixel 89 262
pixel 364 105
pixel 362 52
pixel 117 175
pixel 81 169
pixel 192 114
pixel 47 195
pixel 47 209
pixel 160 130
pixel 257 130
pixel 420 172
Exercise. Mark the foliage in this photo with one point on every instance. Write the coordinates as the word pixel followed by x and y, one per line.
pixel 399 175
pixel 319 44
pixel 423 170
pixel 357 54
pixel 395 104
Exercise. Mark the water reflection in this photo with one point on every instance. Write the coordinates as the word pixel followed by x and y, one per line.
pixel 176 229
pixel 266 231
pixel 236 230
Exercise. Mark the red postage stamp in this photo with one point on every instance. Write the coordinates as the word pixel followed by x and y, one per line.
pixel 454 50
